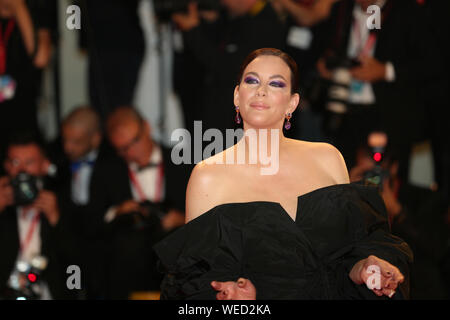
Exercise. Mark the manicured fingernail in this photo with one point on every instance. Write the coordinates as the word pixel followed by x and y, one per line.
pixel 392 293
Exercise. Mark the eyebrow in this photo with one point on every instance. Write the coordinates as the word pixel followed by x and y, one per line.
pixel 272 77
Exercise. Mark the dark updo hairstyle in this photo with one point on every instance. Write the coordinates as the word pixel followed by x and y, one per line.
pixel 277 53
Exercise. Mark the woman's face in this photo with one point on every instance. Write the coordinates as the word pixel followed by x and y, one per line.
pixel 264 94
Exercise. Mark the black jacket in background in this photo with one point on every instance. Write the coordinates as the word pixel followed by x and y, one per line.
pixel 60 245
pixel 220 48
pixel 421 225
pixel 404 40
pixel 108 187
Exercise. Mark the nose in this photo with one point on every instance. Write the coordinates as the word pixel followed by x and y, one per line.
pixel 261 91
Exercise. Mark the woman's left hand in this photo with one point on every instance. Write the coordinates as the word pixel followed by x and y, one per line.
pixel 379 275
pixel 243 289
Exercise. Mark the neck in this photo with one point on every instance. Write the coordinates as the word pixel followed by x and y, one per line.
pixel 146 155
pixel 261 147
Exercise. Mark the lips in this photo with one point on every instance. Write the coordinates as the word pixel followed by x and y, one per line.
pixel 259 105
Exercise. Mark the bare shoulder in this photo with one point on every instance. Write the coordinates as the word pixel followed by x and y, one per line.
pixel 204 188
pixel 332 161
pixel 328 157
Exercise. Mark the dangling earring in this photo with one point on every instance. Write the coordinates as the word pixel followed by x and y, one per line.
pixel 237 119
pixel 287 124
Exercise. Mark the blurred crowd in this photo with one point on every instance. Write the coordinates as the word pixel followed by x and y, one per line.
pixel 104 191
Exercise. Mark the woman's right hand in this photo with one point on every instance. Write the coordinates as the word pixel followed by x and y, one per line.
pixel 379 275
pixel 242 289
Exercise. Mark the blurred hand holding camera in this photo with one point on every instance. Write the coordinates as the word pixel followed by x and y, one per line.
pixel 189 20
pixel 370 69
pixel 393 206
pixel 6 193
pixel 44 49
pixel 323 70
pixel 17 9
pixel 47 203
pixel 10 8
pixel 127 207
pixel 172 219
pixel 357 172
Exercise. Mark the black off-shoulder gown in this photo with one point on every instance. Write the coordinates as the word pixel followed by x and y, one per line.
pixel 309 258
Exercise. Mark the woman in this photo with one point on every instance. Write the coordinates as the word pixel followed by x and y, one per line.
pixel 303 232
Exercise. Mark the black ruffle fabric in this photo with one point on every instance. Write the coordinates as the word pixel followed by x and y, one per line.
pixel 309 258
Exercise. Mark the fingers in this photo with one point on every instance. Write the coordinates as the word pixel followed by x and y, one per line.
pixel 392 273
pixel 360 73
pixel 385 292
pixel 378 292
pixel 43 200
pixel 172 219
pixel 386 272
pixel 192 7
pixel 224 295
pixel 7 194
pixel 241 282
pixel 363 59
pixel 5 186
pixel 4 182
pixel 46 201
pixel 226 289
pixel 389 293
pixel 324 72
pixel 221 295
pixel 216 285
pixel 128 206
pixel 387 276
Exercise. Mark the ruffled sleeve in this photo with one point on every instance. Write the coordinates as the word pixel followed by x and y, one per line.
pixel 368 220
pixel 206 249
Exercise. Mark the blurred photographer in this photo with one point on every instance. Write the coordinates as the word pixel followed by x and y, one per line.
pixel 32 226
pixel 91 187
pixel 155 205
pixel 216 44
pixel 374 67
pixel 27 37
pixel 114 40
pixel 416 214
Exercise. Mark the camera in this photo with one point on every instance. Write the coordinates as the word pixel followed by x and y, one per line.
pixel 375 177
pixel 26 188
pixel 339 88
pixel 165 8
pixel 25 280
pixel 377 142
pixel 148 217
